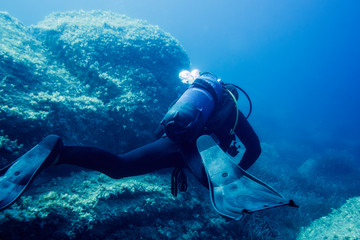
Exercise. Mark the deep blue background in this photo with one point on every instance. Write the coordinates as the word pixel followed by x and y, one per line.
pixel 298 60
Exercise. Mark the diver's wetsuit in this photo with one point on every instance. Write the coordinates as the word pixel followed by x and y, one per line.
pixel 165 153
pixel 162 153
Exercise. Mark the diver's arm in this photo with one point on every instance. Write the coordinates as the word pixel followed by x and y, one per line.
pixel 250 140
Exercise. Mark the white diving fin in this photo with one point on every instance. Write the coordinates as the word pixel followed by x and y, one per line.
pixel 233 191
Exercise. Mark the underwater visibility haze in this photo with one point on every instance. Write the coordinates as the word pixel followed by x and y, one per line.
pixel 103 73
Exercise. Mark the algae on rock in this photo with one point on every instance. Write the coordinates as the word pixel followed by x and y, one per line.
pixel 92 77
pixel 342 223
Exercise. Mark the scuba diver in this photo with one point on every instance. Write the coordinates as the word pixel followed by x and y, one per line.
pixel 207 107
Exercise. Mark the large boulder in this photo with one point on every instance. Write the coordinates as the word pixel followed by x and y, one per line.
pixel 95 78
pixel 342 223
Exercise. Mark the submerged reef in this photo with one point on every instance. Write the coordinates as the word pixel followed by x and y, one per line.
pixel 95 78
pixel 89 205
pixel 342 223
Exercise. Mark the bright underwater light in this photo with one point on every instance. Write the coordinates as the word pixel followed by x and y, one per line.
pixel 189 77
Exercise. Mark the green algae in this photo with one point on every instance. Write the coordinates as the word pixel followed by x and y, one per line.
pixel 76 71
pixel 341 223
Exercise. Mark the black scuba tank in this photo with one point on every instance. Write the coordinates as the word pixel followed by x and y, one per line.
pixel 186 118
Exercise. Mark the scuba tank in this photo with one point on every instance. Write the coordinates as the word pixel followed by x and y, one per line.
pixel 186 118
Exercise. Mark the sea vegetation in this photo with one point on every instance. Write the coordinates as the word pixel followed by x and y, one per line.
pixel 99 78
pixel 342 223
pixel 93 78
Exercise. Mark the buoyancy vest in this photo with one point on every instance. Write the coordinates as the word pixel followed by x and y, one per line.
pixel 221 121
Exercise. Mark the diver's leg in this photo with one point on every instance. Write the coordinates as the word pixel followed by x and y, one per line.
pixel 162 153
pixel 14 178
pixel 193 162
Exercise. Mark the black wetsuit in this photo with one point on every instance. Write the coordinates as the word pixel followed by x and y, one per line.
pixel 165 153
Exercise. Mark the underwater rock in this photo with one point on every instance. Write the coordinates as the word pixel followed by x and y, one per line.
pixel 90 205
pixel 333 168
pixel 342 223
pixel 95 78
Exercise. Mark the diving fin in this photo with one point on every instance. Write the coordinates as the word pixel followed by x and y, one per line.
pixel 233 191
pixel 4 169
pixel 18 175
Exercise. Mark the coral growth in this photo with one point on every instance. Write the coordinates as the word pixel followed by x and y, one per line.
pixel 342 223
pixel 77 71
pixel 90 205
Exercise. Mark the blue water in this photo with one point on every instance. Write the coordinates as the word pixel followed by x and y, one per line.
pixel 300 63
pixel 298 60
